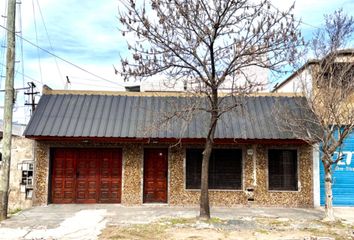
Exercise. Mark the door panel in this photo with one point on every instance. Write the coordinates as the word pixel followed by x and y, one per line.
pixel 155 175
pixel 86 175
pixel 111 176
pixel 63 177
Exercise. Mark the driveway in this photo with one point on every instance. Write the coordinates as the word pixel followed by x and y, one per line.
pixel 76 221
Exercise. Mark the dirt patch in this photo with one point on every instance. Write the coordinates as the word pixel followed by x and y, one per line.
pixel 242 228
pixel 142 231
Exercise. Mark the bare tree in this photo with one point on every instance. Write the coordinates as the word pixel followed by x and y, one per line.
pixel 210 46
pixel 330 96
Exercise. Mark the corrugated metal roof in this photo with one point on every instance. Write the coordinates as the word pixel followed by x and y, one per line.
pixel 73 115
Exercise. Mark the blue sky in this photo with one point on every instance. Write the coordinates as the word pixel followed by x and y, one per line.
pixel 86 34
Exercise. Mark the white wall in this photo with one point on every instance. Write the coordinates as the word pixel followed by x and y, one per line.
pixel 316 176
pixel 301 83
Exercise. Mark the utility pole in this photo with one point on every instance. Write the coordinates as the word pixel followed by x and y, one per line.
pixel 8 109
pixel 32 95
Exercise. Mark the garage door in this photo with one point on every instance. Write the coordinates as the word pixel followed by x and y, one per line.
pixel 86 175
pixel 343 176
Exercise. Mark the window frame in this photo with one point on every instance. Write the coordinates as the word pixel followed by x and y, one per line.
pixel 298 175
pixel 241 189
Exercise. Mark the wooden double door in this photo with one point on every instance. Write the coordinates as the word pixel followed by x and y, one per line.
pixel 86 175
pixel 155 175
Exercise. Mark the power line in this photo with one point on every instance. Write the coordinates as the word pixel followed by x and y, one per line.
pixel 35 29
pixel 16 89
pixel 298 21
pixel 21 45
pixel 22 57
pixel 3 42
pixel 26 76
pixel 64 60
pixel 50 42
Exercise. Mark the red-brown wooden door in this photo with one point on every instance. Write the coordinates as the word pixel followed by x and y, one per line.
pixel 64 176
pixel 111 176
pixel 155 175
pixel 86 175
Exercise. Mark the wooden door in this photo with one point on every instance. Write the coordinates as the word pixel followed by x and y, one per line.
pixel 87 176
pixel 110 176
pixel 63 176
pixel 155 175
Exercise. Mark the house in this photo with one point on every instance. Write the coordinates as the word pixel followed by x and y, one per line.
pixel 21 168
pixel 312 80
pixel 308 75
pixel 111 147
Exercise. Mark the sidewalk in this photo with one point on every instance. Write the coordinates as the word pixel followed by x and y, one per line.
pixel 75 221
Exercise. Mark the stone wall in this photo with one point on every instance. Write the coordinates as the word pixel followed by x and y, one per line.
pixel 22 152
pixel 41 181
pixel 254 184
pixel 180 196
pixel 132 174
pixel 301 198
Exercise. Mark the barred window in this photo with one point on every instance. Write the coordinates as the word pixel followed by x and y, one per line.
pixel 225 168
pixel 282 169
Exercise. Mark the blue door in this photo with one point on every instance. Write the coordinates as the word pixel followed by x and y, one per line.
pixel 343 177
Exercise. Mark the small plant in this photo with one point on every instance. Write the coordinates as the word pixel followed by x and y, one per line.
pixel 214 220
pixel 262 231
pixel 14 211
pixel 175 221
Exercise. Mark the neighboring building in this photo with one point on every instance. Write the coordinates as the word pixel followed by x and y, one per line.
pixel 21 169
pixel 110 147
pixel 256 75
pixel 302 81
pixel 343 177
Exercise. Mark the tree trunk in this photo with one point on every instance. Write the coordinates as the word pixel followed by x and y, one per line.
pixel 329 215
pixel 204 192
pixel 204 188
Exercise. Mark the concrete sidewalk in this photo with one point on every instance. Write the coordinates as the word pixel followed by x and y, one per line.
pixel 75 221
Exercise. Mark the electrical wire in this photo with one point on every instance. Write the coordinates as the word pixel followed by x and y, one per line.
pixel 21 44
pixel 82 69
pixel 26 76
pixel 36 34
pixel 26 110
pixel 64 60
pixel 3 43
pixel 50 42
pixel 298 21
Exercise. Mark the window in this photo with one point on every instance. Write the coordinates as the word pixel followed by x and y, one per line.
pixel 282 169
pixel 225 168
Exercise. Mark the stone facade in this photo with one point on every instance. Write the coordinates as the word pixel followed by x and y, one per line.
pixel 21 155
pixel 41 182
pixel 132 174
pixel 254 184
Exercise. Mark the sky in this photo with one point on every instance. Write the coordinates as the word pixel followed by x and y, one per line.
pixel 85 37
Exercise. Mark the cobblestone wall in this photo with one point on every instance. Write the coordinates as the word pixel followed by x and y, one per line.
pixel 132 174
pixel 41 181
